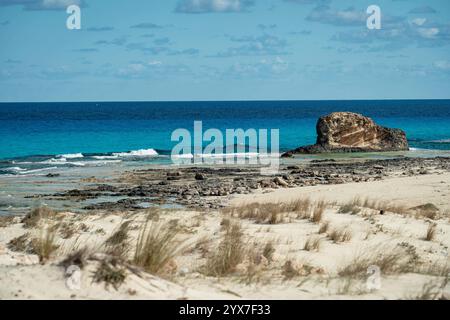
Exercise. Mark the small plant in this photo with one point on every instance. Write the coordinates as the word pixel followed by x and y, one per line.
pixel 156 247
pixel 338 235
pixel 389 260
pixel 271 213
pixel 430 291
pixel 66 230
pixel 312 243
pixel 225 223
pixel 45 245
pixel 21 244
pixel 118 243
pixel 379 206
pixel 78 258
pixel 427 211
pixel 289 271
pixel 32 219
pixel 318 212
pixel 431 232
pixel 349 208
pixel 253 270
pixel 229 254
pixel 110 273
pixel 6 221
pixel 324 226
pixel 436 269
pixel 268 251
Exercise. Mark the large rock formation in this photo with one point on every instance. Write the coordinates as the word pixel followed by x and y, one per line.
pixel 352 132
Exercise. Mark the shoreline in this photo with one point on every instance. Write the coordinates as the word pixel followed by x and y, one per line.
pixel 294 270
pixel 311 232
pixel 203 187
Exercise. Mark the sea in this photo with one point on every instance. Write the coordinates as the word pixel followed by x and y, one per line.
pixel 95 138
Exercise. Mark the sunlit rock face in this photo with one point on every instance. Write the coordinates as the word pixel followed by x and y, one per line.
pixel 352 132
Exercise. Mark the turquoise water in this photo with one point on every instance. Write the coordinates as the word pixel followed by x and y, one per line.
pixel 103 133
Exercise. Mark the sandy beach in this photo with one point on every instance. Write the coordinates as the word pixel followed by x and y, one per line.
pixel 385 238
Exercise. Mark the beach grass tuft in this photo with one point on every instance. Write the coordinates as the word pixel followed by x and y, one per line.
pixel 111 273
pixel 318 211
pixel 275 213
pixel 32 219
pixel 78 258
pixel 230 252
pixel 45 245
pixel 388 260
pixel 157 247
pixel 323 228
pixel 118 243
pixel 312 243
pixel 431 232
pixel 339 234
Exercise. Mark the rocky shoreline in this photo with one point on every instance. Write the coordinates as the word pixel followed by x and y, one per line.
pixel 210 188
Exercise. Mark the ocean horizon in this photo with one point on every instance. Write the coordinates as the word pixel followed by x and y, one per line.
pixel 44 136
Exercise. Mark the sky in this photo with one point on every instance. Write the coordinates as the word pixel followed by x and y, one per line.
pixel 172 50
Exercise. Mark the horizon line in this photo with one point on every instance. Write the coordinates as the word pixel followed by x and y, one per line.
pixel 243 100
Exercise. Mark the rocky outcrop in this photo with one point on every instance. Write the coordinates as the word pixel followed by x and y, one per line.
pixel 352 132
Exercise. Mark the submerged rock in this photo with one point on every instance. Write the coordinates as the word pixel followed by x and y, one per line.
pixel 352 132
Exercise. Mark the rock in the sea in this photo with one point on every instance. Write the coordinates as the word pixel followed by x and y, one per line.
pixel 352 132
pixel 200 176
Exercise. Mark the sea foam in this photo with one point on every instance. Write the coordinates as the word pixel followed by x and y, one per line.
pixel 72 156
pixel 138 153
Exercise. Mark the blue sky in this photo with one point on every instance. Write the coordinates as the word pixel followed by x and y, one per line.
pixel 223 50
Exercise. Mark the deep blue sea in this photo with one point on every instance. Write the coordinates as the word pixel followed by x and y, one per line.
pixel 58 134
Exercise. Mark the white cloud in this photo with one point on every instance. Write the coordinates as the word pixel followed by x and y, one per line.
pixel 154 63
pixel 42 4
pixel 206 6
pixel 419 21
pixel 443 65
pixel 428 33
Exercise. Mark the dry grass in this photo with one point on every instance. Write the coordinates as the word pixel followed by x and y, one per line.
pixel 389 260
pixel 338 235
pixel 431 290
pixel 118 243
pixel 384 206
pixel 229 254
pixel 312 243
pixel 436 269
pixel 268 251
pixel 111 273
pixel 289 271
pixel 324 226
pixel 256 265
pixel 225 223
pixel 156 248
pixel 32 219
pixel 349 208
pixel 78 258
pixel 318 211
pixel 427 211
pixel 431 232
pixel 350 286
pixel 21 244
pixel 5 221
pixel 271 213
pixel 67 230
pixel 45 245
